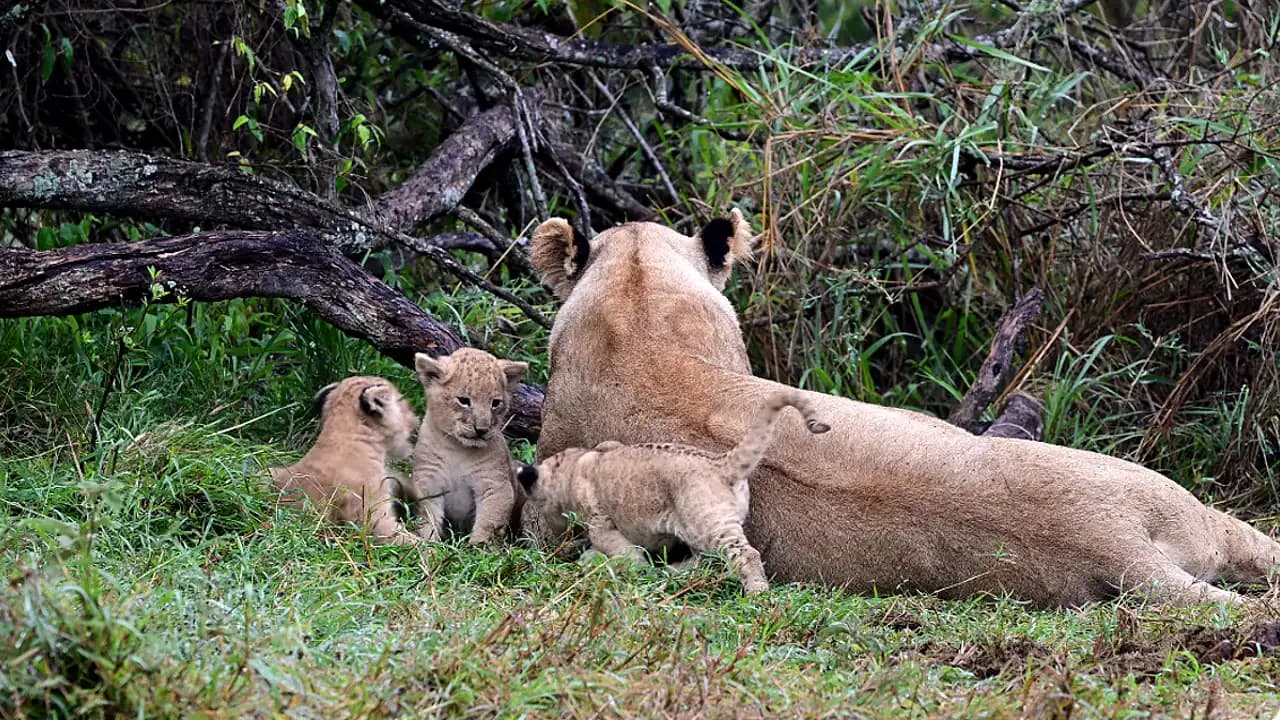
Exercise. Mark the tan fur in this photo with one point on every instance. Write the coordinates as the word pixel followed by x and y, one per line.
pixel 462 470
pixel 649 497
pixel 646 349
pixel 364 421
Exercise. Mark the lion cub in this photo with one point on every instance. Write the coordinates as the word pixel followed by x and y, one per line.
pixel 363 422
pixel 636 497
pixel 462 469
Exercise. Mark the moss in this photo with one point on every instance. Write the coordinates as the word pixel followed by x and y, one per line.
pixel 45 185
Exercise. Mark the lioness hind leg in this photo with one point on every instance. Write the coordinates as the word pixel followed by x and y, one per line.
pixel 1169 584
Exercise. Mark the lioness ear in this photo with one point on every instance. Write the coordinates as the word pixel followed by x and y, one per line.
pixel 322 397
pixel 513 370
pixel 374 400
pixel 559 252
pixel 528 476
pixel 726 240
pixel 429 369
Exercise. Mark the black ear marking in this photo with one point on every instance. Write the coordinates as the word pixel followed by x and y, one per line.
pixel 528 476
pixel 322 397
pixel 581 251
pixel 370 405
pixel 715 242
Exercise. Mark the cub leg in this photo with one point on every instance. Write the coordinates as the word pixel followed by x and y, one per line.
pixel 493 512
pixel 430 512
pixel 742 557
pixel 606 538
pixel 380 515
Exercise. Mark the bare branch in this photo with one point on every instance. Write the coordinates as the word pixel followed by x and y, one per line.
pixel 440 183
pixel 410 16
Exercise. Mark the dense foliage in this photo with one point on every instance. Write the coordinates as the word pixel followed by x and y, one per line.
pixel 913 167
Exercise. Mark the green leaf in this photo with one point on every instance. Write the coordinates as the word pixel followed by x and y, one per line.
pixel 997 53
pixel 47 59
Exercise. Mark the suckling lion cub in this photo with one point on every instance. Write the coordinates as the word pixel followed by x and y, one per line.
pixel 651 496
pixel 462 468
pixel 363 422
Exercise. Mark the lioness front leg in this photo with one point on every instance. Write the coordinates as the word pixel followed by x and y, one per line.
pixel 493 513
pixel 606 538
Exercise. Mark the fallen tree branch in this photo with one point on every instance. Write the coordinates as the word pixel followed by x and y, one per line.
pixel 1021 419
pixel 208 267
pixel 999 365
pixel 440 183
pixel 148 186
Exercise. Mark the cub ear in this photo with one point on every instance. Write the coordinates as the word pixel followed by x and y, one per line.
pixel 322 397
pixel 429 369
pixel 513 370
pixel 559 252
pixel 726 241
pixel 528 476
pixel 375 399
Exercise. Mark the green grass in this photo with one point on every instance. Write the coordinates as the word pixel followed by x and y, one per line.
pixel 153 574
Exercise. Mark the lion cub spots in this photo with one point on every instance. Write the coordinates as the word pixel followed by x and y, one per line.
pixel 363 422
pixel 461 465
pixel 648 497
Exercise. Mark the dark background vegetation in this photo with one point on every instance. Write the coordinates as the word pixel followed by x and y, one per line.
pixel 913 168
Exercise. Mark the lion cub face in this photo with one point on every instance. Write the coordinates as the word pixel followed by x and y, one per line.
pixel 468 394
pixel 375 406
pixel 544 516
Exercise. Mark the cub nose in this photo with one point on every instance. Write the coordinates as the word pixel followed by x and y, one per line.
pixel 482 432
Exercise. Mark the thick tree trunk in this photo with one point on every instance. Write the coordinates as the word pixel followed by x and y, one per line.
pixel 1022 418
pixel 298 265
pixel 147 186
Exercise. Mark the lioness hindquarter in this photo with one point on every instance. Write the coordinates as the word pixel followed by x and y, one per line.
pixel 462 468
pixel 363 422
pixel 646 496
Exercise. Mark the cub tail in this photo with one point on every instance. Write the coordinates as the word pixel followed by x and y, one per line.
pixel 746 456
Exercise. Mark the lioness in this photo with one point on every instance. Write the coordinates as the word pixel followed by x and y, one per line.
pixel 646 348
pixel 363 422
pixel 647 497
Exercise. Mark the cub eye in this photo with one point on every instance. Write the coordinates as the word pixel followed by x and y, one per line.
pixel 464 401
pixel 497 403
